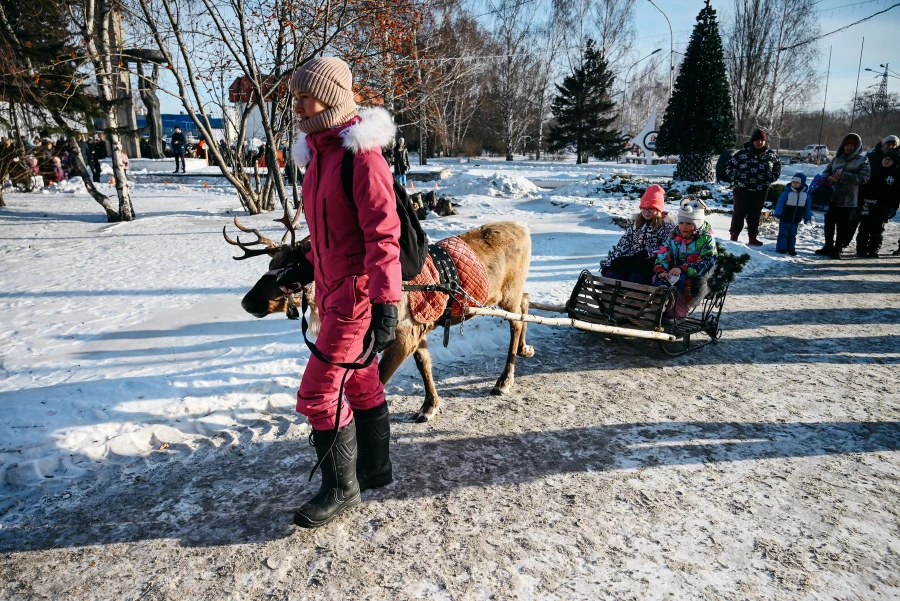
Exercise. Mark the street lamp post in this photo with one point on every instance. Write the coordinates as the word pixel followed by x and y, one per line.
pixel 625 91
pixel 671 48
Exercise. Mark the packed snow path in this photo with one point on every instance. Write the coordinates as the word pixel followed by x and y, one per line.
pixel 762 467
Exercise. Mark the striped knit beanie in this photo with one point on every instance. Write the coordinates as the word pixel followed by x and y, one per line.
pixel 329 81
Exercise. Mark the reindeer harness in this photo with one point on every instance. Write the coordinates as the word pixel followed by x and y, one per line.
pixel 452 279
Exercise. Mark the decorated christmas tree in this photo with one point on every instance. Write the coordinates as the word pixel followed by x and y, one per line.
pixel 699 120
pixel 584 111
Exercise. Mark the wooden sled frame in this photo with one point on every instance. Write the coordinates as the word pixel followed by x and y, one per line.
pixel 639 308
pixel 609 306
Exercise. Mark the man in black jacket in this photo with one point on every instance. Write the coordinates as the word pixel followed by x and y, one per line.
pixel 179 145
pixel 752 169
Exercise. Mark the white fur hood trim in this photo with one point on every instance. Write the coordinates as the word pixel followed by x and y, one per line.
pixel 375 129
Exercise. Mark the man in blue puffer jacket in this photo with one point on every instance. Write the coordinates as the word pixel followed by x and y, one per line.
pixel 793 206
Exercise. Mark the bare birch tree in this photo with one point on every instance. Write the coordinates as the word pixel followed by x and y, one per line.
pixel 95 20
pixel 260 43
pixel 25 93
pixel 513 84
pixel 764 79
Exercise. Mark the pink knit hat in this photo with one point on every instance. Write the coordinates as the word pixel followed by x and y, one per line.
pixel 654 198
pixel 328 80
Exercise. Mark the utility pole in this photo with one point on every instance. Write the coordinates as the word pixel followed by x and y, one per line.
pixel 822 122
pixel 856 92
pixel 881 95
pixel 671 48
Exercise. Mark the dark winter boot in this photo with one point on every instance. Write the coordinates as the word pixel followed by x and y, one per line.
pixel 754 242
pixel 825 250
pixel 835 253
pixel 339 490
pixel 373 435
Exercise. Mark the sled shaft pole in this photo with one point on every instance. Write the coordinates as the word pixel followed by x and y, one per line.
pixel 575 323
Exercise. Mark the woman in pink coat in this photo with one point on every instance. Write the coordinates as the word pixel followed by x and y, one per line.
pixel 355 259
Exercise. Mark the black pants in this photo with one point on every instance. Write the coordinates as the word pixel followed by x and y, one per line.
pixel 632 268
pixel 179 157
pixel 95 169
pixel 748 204
pixel 871 233
pixel 838 232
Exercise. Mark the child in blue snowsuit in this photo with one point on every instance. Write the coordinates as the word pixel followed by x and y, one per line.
pixel 793 206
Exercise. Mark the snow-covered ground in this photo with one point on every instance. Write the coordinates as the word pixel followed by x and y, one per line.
pixel 125 337
pixel 124 346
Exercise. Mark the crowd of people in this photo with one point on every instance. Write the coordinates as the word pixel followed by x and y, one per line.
pixel 51 161
pixel 863 191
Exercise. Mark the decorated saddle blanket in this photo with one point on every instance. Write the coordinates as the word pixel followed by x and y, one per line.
pixel 427 307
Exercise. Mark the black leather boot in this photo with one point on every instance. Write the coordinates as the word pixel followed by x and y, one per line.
pixel 373 434
pixel 339 490
pixel 826 250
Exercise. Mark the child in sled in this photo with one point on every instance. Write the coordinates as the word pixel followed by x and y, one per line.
pixel 881 198
pixel 687 258
pixel 793 206
pixel 632 258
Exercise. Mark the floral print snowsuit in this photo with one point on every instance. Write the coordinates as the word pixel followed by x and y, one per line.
pixel 695 255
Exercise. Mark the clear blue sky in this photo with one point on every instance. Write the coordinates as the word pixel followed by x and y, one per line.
pixel 880 33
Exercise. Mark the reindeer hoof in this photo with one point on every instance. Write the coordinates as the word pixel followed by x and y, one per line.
pixel 526 351
pixel 421 417
pixel 500 390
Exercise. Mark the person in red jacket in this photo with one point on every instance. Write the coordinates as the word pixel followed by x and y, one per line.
pixel 355 258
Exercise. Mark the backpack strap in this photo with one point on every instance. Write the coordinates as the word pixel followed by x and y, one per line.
pixel 347 174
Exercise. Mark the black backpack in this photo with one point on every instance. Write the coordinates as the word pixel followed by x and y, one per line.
pixel 413 242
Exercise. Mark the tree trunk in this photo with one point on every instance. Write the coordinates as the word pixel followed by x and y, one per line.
pixel 423 138
pixel 108 92
pixel 112 215
pixel 2 202
pixel 540 137
pixel 694 168
pixel 147 88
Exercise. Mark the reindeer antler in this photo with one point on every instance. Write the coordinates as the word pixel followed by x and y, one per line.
pixel 290 224
pixel 270 246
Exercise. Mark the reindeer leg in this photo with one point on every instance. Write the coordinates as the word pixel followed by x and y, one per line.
pixel 505 382
pixel 525 350
pixel 395 355
pixel 432 402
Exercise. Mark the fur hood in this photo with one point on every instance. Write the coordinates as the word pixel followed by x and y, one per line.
pixel 375 129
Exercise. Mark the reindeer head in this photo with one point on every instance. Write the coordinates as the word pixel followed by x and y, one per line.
pixel 289 270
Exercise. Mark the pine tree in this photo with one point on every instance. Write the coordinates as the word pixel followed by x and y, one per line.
pixel 699 120
pixel 583 110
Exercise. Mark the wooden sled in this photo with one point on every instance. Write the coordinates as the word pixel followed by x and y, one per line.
pixel 596 299
pixel 608 306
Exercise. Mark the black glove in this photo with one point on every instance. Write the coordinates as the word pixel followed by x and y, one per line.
pixel 382 330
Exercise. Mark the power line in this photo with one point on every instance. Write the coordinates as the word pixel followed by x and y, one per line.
pixel 809 41
pixel 825 10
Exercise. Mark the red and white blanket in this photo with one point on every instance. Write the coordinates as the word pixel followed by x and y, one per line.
pixel 429 306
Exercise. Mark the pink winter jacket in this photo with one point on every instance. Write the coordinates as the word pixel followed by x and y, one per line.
pixel 352 238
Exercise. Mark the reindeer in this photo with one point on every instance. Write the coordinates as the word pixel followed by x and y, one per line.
pixel 505 250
